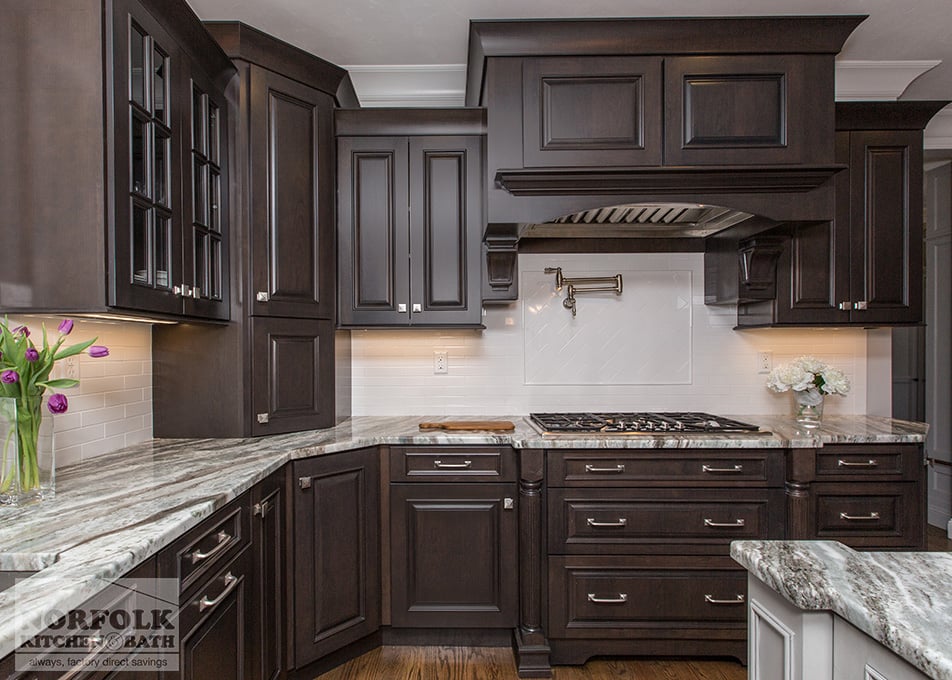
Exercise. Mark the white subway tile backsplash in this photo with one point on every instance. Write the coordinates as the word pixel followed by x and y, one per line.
pixel 112 407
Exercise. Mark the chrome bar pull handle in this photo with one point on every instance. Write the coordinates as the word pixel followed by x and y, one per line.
pixel 230 582
pixel 862 305
pixel 845 306
pixel 732 525
pixel 591 521
pixel 223 540
pixel 871 517
pixel 725 471
pixel 621 599
pixel 710 599
pixel 617 470
pixel 466 464
pixel 871 463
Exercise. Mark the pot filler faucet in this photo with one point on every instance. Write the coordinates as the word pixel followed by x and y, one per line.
pixel 589 284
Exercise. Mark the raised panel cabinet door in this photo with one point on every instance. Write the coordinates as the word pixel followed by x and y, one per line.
pixel 745 110
pixel 445 229
pixel 886 222
pixel 150 117
pixel 205 222
pixel 453 555
pixel 591 111
pixel 292 375
pixel 269 546
pixel 373 231
pixel 292 198
pixel 336 565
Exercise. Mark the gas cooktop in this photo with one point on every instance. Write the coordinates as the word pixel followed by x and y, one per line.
pixel 690 422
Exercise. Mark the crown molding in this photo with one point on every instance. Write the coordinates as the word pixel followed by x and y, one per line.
pixel 938 133
pixel 864 79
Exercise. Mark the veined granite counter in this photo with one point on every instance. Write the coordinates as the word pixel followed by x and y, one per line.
pixel 901 600
pixel 113 512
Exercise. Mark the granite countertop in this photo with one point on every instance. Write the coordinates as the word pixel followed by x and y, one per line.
pixel 899 599
pixel 113 512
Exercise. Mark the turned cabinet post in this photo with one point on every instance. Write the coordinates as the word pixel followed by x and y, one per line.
pixel 801 473
pixel 532 648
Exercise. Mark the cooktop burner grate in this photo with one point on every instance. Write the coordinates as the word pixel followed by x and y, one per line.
pixel 638 423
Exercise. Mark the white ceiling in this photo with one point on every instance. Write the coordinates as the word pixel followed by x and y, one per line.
pixel 428 38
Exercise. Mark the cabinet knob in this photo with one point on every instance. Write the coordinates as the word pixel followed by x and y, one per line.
pixel 417 308
pixel 263 418
pixel 508 504
pixel 846 305
pixel 402 308
pixel 262 296
pixel 182 291
pixel 861 305
pixel 197 293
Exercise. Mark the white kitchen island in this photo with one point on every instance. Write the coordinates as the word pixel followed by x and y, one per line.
pixel 819 610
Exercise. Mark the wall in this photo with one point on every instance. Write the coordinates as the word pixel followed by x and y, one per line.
pixel 687 355
pixel 112 406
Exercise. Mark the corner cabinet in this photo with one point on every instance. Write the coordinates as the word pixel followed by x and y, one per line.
pixel 138 217
pixel 409 219
pixel 283 332
pixel 865 266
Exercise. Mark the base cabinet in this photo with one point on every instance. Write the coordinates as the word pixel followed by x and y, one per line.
pixel 336 552
pixel 269 548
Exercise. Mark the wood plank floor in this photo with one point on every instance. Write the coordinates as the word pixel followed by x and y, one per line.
pixel 496 663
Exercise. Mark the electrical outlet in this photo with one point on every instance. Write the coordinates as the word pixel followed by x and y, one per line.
pixel 440 362
pixel 71 368
pixel 764 362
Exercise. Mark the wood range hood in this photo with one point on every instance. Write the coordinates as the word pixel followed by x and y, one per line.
pixel 654 132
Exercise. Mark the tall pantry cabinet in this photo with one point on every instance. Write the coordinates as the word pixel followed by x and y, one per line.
pixel 272 369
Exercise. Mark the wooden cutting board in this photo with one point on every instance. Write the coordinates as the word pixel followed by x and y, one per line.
pixel 489 425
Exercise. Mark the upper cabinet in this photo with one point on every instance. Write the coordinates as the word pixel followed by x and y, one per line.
pixel 137 219
pixel 864 267
pixel 409 217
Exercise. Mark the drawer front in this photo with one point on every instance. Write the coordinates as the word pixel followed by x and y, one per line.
pixel 585 519
pixel 452 464
pixel 665 467
pixel 624 596
pixel 869 462
pixel 870 515
pixel 203 549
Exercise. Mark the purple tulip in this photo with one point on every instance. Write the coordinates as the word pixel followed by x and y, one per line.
pixel 31 354
pixel 57 403
pixel 98 351
pixel 66 326
pixel 21 330
pixel 9 377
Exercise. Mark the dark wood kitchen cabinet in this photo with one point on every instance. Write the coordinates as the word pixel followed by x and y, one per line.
pixel 335 567
pixel 138 219
pixel 269 550
pixel 864 267
pixel 273 368
pixel 410 219
pixel 453 537
pixel 638 548
pixel 868 496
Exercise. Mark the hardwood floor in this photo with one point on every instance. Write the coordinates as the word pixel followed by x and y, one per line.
pixel 496 663
pixel 937 540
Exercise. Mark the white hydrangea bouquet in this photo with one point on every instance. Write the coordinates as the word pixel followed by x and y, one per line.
pixel 810 379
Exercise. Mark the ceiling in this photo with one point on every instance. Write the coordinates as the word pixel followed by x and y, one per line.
pixel 431 36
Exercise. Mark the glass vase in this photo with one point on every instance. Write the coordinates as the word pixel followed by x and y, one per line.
pixel 27 459
pixel 808 406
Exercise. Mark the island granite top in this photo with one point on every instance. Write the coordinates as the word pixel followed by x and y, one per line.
pixel 900 599
pixel 113 512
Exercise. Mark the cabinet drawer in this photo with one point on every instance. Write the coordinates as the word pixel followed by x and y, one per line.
pixel 201 550
pixel 665 467
pixel 870 515
pixel 629 596
pixel 452 464
pixel 869 462
pixel 631 520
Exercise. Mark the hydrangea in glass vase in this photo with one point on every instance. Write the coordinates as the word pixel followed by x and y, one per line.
pixel 27 468
pixel 810 380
